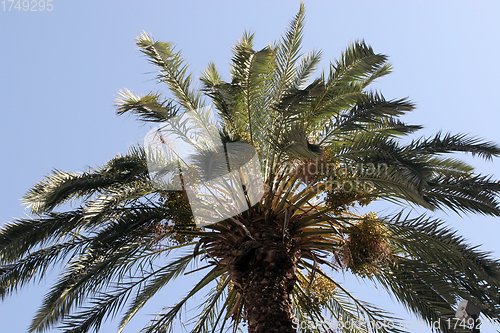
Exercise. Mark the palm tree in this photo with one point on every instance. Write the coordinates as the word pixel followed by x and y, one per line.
pixel 327 147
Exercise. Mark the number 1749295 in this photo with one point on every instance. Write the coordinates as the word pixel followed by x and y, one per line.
pixel 27 5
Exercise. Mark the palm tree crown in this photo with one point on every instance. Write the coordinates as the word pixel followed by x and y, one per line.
pixel 327 147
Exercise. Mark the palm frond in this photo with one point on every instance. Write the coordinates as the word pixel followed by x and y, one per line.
pixel 287 53
pixel 173 70
pixel 440 267
pixel 211 312
pixel 22 235
pixel 112 253
pixel 369 109
pixel 61 186
pixel 348 309
pixel 164 322
pixel 34 266
pixel 456 143
pixel 150 107
pixel 306 68
pixel 158 279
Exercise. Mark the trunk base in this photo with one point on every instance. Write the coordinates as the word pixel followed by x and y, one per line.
pixel 264 274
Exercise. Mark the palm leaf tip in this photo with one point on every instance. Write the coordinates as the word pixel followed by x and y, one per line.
pixel 448 143
pixel 150 107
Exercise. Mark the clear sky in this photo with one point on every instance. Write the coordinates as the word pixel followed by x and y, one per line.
pixel 60 71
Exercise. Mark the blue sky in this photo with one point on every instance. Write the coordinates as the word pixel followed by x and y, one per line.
pixel 61 70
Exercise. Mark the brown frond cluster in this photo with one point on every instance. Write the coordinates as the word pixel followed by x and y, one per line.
pixel 367 248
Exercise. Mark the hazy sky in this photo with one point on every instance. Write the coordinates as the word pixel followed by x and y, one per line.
pixel 60 71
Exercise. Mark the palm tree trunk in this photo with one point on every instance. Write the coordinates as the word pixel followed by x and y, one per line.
pixel 264 273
